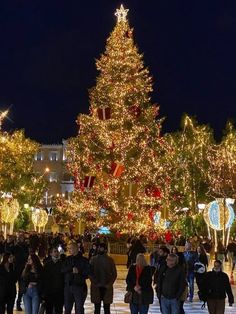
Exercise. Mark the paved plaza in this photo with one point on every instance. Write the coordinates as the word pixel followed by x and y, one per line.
pixel 119 307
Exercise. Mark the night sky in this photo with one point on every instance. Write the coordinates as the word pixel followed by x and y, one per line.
pixel 48 51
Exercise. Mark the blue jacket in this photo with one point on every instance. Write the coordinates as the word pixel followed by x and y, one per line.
pixel 190 259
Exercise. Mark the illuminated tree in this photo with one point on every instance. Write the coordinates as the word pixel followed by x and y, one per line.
pixel 17 176
pixel 118 158
pixel 222 166
pixel 188 157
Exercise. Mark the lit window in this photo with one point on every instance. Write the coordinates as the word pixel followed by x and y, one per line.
pixel 54 156
pixel 38 156
pixel 53 177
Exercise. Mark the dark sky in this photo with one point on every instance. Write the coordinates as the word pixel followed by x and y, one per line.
pixel 48 50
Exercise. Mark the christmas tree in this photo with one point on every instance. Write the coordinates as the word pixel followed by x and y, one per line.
pixel 118 158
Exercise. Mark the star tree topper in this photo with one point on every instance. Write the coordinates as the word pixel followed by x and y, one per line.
pixel 121 14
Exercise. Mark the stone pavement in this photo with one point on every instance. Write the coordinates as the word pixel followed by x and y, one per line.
pixel 119 307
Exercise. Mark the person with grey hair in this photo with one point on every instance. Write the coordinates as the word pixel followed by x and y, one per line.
pixel 171 285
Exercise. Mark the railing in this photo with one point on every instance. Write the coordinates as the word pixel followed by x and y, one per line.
pixel 121 248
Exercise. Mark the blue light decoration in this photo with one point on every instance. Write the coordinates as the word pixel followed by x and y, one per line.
pixel 219 212
pixel 157 217
pixel 104 230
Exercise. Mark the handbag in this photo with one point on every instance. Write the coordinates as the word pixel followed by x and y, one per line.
pixel 128 297
pixel 42 308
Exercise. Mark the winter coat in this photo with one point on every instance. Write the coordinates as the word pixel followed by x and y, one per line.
pixel 82 265
pixel 52 278
pixel 21 252
pixel 145 282
pixel 171 282
pixel 7 282
pixel 216 285
pixel 103 275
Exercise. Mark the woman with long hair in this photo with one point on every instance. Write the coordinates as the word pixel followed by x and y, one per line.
pixel 8 278
pixel 201 265
pixel 32 279
pixel 139 282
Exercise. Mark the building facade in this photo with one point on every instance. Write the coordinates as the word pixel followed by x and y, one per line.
pixel 50 162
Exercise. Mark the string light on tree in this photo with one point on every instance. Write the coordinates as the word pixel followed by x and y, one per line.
pixel 39 219
pixel 119 143
pixel 9 210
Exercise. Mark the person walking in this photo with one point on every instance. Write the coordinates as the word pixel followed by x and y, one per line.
pixel 171 285
pixel 76 271
pixel 214 288
pixel 103 275
pixel 8 278
pixel 200 266
pixel 161 264
pixel 93 251
pixel 53 283
pixel 31 276
pixel 139 282
pixel 136 248
pixel 21 253
pixel 190 259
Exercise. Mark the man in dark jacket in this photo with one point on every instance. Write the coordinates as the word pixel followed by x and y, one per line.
pixel 76 271
pixel 103 276
pixel 160 265
pixel 53 283
pixel 171 284
pixel 21 252
pixel 214 289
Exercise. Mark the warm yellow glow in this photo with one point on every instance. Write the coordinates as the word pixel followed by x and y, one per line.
pixel 39 218
pixel 9 210
pixel 121 14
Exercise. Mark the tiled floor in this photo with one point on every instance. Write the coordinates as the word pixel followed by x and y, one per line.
pixel 119 307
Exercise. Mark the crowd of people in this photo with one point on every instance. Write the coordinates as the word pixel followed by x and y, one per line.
pixel 49 273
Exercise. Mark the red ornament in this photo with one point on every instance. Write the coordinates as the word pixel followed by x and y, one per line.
pixel 168 236
pixel 152 236
pixel 153 191
pixel 117 169
pixel 130 216
pixel 104 113
pixel 135 111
